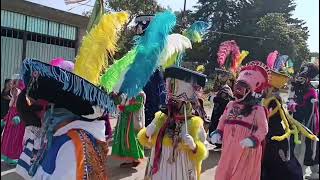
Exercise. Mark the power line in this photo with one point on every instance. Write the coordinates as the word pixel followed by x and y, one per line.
pixel 80 4
pixel 239 35
pixel 217 32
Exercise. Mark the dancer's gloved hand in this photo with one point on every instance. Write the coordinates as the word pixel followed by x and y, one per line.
pixel 314 100
pixel 247 143
pixel 151 128
pixel 215 138
pixel 292 106
pixel 188 139
pixel 16 120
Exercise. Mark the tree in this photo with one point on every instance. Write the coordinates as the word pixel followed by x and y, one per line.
pixel 287 39
pixel 314 54
pixel 134 8
pixel 253 18
pixel 222 16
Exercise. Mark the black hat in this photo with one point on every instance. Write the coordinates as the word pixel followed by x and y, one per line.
pixel 63 88
pixel 309 70
pixel 186 75
pixel 219 71
pixel 142 21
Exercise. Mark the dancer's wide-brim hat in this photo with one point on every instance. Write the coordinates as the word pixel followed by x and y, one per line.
pixel 219 71
pixel 278 80
pixel 63 88
pixel 143 21
pixel 186 75
pixel 309 70
pixel 183 84
pixel 144 17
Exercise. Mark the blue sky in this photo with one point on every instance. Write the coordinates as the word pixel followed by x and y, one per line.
pixel 307 10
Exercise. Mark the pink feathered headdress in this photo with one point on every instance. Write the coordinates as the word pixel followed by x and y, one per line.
pixel 62 63
pixel 226 48
pixel 256 75
pixel 272 58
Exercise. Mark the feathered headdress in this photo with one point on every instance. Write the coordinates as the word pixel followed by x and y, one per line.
pixel 97 45
pixel 200 68
pixel 272 58
pixel 236 64
pixel 226 48
pixel 196 31
pixel 149 47
pixel 115 73
pixel 60 62
pixel 282 63
pixel 176 44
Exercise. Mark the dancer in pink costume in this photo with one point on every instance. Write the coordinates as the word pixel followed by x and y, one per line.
pixel 11 142
pixel 243 126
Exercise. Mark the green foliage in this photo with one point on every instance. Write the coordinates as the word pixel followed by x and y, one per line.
pixel 314 54
pixel 134 8
pixel 263 18
pixel 288 39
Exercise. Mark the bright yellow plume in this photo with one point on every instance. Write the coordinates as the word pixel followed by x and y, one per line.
pixel 98 45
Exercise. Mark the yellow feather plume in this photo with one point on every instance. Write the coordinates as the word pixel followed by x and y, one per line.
pixel 97 45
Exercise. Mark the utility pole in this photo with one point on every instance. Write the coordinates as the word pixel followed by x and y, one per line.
pixel 184 15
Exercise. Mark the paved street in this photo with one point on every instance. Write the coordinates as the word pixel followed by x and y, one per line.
pixel 117 173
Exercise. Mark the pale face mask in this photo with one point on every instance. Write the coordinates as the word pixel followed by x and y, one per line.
pixel 181 90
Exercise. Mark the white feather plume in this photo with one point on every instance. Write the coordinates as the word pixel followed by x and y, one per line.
pixel 176 43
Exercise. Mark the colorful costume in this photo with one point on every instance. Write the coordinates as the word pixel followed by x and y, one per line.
pixel 305 109
pixel 226 72
pixel 11 142
pixel 242 127
pixel 32 113
pixel 279 161
pixel 156 95
pixel 5 100
pixel 130 121
pixel 175 136
pixel 223 96
pixel 73 143
pixel 76 144
pixel 155 88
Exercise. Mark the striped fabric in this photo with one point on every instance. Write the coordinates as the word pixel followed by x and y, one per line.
pixel 31 147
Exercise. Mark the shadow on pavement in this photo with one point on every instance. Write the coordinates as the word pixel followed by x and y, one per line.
pixel 211 161
pixel 5 167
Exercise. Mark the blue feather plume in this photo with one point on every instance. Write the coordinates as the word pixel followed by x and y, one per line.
pixel 196 31
pixel 149 47
pixel 199 26
pixel 281 62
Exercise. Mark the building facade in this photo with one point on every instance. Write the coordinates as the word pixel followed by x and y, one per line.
pixel 30 30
